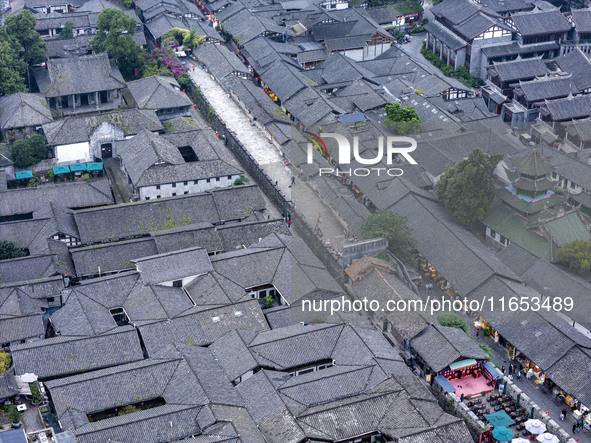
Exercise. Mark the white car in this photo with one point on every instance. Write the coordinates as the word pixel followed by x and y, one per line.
pixel 42 437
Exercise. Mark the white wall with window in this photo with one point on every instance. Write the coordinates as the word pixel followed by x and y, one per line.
pixel 490 233
pixel 186 187
pixel 310 369
pixel 67 239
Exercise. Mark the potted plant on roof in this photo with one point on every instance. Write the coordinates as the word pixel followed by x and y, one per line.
pixel 14 416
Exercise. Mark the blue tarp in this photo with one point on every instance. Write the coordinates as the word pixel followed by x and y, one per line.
pixel 496 374
pixel 78 167
pixel 98 166
pixel 445 384
pixel 61 170
pixel 23 175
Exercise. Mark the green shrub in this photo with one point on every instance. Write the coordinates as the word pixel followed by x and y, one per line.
pixel 269 302
pixel 13 415
pixel 452 320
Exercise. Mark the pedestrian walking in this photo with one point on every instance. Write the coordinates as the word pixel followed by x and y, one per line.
pixel 503 369
pixel 283 215
pixel 510 377
pixel 519 375
pixel 574 428
pixel 289 223
pixel 292 180
pixel 511 368
pixel 563 414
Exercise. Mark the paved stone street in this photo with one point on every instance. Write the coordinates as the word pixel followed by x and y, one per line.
pixel 307 202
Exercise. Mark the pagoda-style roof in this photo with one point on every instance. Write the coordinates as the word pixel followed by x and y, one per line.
pixel 528 205
pixel 531 163
pixel 528 184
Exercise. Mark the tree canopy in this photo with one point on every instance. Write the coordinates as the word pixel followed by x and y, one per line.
pixel 403 119
pixel 22 28
pixel 29 151
pixel 576 255
pixel 67 30
pixel 467 188
pixel 12 66
pixel 189 39
pixel 9 250
pixel 393 227
pixel 5 362
pixel 114 35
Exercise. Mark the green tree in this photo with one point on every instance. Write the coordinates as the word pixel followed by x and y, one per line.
pixel 467 188
pixel 29 151
pixel 403 119
pixel 393 227
pixel 9 250
pixel 5 362
pixel 67 30
pixel 114 35
pixel 12 67
pixel 22 28
pixel 577 255
pixel 13 415
pixel 486 348
pixel 452 320
pixel 189 39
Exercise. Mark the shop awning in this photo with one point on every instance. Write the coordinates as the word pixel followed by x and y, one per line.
pixel 445 384
pixel 21 175
pixel 98 166
pixel 61 170
pixel 78 167
pixel 496 374
pixel 462 364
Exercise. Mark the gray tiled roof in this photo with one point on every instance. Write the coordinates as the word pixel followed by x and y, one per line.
pixel 440 346
pixel 58 356
pixel 30 234
pixel 582 19
pixel 520 69
pixel 23 110
pixel 220 61
pixel 26 268
pixel 531 22
pixel 162 24
pixel 578 65
pixel 111 256
pixel 62 76
pixel 200 329
pixel 568 108
pixel 129 220
pixel 157 92
pixel 15 329
pixel 74 47
pixel 79 129
pixel 105 388
pixel 232 354
pixel 173 265
pixel 69 195
pixel 144 151
pixel 151 425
